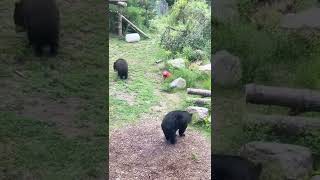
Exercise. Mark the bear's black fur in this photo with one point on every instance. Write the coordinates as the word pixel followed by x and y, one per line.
pixel 122 67
pixel 228 167
pixel 173 121
pixel 41 20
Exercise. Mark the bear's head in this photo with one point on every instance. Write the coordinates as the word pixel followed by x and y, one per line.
pixel 114 66
pixel 190 119
pixel 19 17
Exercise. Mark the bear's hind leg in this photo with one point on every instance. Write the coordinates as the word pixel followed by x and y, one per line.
pixel 172 137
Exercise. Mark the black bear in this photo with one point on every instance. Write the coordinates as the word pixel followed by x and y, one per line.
pixel 121 66
pixel 173 121
pixel 228 167
pixel 41 20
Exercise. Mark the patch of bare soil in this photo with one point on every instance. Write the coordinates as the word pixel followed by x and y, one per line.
pixel 140 151
pixel 61 113
pixel 124 96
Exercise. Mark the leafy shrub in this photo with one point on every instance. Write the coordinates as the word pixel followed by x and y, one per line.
pixel 194 78
pixel 138 12
pixel 189 25
pixel 258 50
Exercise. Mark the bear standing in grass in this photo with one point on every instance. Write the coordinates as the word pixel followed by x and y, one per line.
pixel 173 121
pixel 228 167
pixel 41 20
pixel 122 67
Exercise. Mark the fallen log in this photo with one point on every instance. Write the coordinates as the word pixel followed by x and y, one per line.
pixel 285 125
pixel 200 101
pixel 202 92
pixel 299 100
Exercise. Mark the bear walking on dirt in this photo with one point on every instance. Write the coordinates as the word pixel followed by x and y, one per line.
pixel 173 121
pixel 122 67
pixel 228 167
pixel 41 20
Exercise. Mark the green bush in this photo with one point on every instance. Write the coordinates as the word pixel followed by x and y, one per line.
pixel 138 12
pixel 260 50
pixel 189 25
pixel 194 78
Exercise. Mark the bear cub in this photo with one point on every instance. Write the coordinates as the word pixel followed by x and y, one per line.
pixel 173 121
pixel 121 66
pixel 41 20
pixel 228 167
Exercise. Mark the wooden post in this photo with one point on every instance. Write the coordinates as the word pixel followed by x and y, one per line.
pixel 120 25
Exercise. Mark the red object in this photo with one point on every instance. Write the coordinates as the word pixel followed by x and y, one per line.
pixel 166 74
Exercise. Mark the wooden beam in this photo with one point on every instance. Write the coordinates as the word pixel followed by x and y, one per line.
pixel 135 27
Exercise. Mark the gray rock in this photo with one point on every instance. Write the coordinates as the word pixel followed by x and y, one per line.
pixel 226 70
pixel 205 68
pixel 315 177
pixel 294 162
pixel 178 83
pixel 305 19
pixel 177 63
pixel 200 111
pixel 225 10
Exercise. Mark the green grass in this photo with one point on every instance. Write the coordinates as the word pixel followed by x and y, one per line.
pixel 37 148
pixel 141 87
pixel 144 83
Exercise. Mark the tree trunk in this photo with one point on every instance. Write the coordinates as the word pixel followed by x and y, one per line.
pixel 120 25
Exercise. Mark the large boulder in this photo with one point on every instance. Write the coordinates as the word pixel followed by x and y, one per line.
pixel 201 112
pixel 205 68
pixel 226 70
pixel 315 177
pixel 225 10
pixel 305 19
pixel 177 63
pixel 178 83
pixel 293 162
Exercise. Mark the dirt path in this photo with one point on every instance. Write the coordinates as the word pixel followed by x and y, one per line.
pixel 139 150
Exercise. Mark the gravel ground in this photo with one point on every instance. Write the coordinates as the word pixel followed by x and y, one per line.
pixel 139 151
